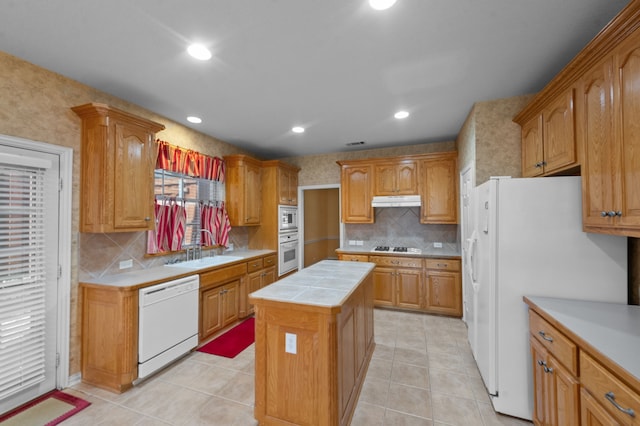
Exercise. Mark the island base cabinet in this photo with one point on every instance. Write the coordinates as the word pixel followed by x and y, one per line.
pixel 311 361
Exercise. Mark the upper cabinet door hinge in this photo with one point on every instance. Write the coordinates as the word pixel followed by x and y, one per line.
pixel 60 185
pixel 59 271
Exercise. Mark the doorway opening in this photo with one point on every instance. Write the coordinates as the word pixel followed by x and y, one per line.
pixel 320 229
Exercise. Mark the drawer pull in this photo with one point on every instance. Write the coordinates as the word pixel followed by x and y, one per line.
pixel 545 337
pixel 612 399
pixel 548 369
pixel 442 265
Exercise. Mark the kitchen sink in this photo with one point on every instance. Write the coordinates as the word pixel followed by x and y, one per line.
pixel 205 262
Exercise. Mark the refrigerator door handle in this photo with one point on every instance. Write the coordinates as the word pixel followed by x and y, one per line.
pixel 473 240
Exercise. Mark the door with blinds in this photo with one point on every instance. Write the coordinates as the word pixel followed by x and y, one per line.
pixel 29 209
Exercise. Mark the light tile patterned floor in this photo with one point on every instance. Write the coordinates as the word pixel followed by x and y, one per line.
pixel 422 373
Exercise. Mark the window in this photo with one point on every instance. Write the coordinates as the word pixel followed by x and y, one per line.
pixel 184 196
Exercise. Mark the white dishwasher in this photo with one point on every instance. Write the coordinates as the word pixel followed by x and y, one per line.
pixel 167 323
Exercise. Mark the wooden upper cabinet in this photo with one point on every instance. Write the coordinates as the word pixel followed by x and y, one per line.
pixel 432 176
pixel 396 178
pixel 439 189
pixel 243 190
pixel 117 163
pixel 595 132
pixel 532 147
pixel 356 193
pixel 610 105
pixel 548 139
pixel 288 186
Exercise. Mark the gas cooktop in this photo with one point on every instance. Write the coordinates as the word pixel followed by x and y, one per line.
pixel 388 249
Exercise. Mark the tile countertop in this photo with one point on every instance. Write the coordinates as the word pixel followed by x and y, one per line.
pixel 447 251
pixel 145 277
pixel 327 283
pixel 612 329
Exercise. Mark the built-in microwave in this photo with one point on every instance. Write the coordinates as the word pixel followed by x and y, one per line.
pixel 288 217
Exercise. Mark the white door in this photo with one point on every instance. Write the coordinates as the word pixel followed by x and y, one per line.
pixel 29 210
pixel 467 182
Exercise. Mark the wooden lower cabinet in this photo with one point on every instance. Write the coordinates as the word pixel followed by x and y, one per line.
pixel 444 286
pixel 592 413
pixel 574 385
pixel 219 308
pixel 556 391
pixel 320 383
pixel 220 298
pixel 109 336
pixel 398 282
pixel 427 285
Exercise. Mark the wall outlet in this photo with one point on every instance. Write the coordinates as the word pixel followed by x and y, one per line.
pixel 124 264
pixel 290 343
pixel 352 242
pixel 437 245
pixel 359 242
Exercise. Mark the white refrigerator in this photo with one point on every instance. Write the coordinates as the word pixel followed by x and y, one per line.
pixel 528 240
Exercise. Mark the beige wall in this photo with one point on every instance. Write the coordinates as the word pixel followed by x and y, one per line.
pixel 35 104
pixel 490 140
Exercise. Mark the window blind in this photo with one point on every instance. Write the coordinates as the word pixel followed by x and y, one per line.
pixel 22 275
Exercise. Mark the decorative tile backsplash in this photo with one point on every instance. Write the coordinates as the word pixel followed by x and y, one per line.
pixel 400 226
pixel 101 254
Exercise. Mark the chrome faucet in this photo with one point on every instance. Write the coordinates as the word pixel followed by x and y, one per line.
pixel 213 239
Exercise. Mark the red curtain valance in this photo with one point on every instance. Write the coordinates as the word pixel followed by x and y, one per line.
pixel 175 159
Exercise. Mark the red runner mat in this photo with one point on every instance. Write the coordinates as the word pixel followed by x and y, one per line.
pixel 233 341
pixel 75 404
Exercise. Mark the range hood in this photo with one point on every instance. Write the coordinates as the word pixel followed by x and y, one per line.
pixel 396 201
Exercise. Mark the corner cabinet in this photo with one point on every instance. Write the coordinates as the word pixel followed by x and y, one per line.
pixel 243 183
pixel 356 193
pixel 117 162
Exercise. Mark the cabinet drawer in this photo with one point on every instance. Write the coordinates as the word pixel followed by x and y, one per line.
pixel 254 265
pixel 563 349
pixel 405 262
pixel 222 274
pixel 354 257
pixel 270 260
pixel 609 391
pixel 443 264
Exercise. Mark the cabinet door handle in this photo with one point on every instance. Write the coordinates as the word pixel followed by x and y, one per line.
pixel 611 213
pixel 545 337
pixel 547 369
pixel 603 213
pixel 541 362
pixel 612 399
pixel 442 265
pixel 618 213
pixel 147 219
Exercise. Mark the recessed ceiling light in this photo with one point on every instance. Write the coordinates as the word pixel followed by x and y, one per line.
pixel 381 4
pixel 401 114
pixel 195 120
pixel 199 51
pixel 297 129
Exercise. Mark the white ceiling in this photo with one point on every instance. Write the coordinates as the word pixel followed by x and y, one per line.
pixel 336 67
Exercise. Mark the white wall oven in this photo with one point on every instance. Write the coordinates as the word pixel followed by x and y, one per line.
pixel 288 218
pixel 287 252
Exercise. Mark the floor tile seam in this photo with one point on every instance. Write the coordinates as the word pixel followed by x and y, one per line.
pixel 406 414
pixel 456 396
pixel 205 393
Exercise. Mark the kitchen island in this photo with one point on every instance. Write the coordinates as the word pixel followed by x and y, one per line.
pixel 314 341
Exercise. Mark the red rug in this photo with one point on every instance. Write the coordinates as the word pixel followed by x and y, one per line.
pixel 233 341
pixel 37 410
